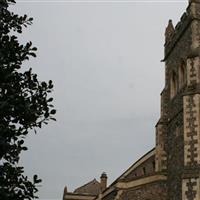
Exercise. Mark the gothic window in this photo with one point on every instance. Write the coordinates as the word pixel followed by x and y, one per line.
pixel 181 76
pixel 173 84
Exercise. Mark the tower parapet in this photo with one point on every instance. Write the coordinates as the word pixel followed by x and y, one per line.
pixel 179 29
pixel 190 17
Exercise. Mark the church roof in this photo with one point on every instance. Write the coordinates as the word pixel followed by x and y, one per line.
pixel 92 188
pixel 141 160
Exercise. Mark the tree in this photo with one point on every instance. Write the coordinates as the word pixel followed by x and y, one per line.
pixel 25 105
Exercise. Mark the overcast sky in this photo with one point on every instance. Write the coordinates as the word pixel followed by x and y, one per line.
pixel 104 59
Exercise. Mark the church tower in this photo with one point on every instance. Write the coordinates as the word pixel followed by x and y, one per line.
pixel 178 129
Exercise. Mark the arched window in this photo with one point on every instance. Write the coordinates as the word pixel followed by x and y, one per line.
pixel 181 73
pixel 173 84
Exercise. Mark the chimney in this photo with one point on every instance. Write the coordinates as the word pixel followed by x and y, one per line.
pixel 103 181
pixel 65 192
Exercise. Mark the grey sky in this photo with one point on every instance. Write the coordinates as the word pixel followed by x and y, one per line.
pixel 104 59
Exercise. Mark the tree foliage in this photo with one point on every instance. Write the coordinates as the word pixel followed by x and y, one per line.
pixel 25 105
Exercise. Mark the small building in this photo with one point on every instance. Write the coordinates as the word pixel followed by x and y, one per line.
pixel 88 191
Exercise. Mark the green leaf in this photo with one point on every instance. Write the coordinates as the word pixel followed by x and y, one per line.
pixel 53 112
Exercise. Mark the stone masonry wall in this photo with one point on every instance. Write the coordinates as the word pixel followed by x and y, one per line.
pixel 110 196
pixel 191 181
pixel 145 169
pixel 153 191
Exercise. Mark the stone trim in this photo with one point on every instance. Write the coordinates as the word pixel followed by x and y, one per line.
pixel 190 189
pixel 141 181
pixel 191 130
pixel 161 155
pixel 193 77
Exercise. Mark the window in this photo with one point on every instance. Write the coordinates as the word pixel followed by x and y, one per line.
pixel 144 171
pixel 173 84
pixel 181 76
pixel 154 165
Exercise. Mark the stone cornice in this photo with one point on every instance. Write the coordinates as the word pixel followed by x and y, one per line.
pixel 141 181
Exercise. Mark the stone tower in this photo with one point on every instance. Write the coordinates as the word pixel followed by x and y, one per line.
pixel 178 129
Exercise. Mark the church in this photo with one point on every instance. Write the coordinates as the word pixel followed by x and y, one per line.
pixel 170 171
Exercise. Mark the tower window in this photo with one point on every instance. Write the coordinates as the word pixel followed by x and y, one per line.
pixel 181 76
pixel 173 84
